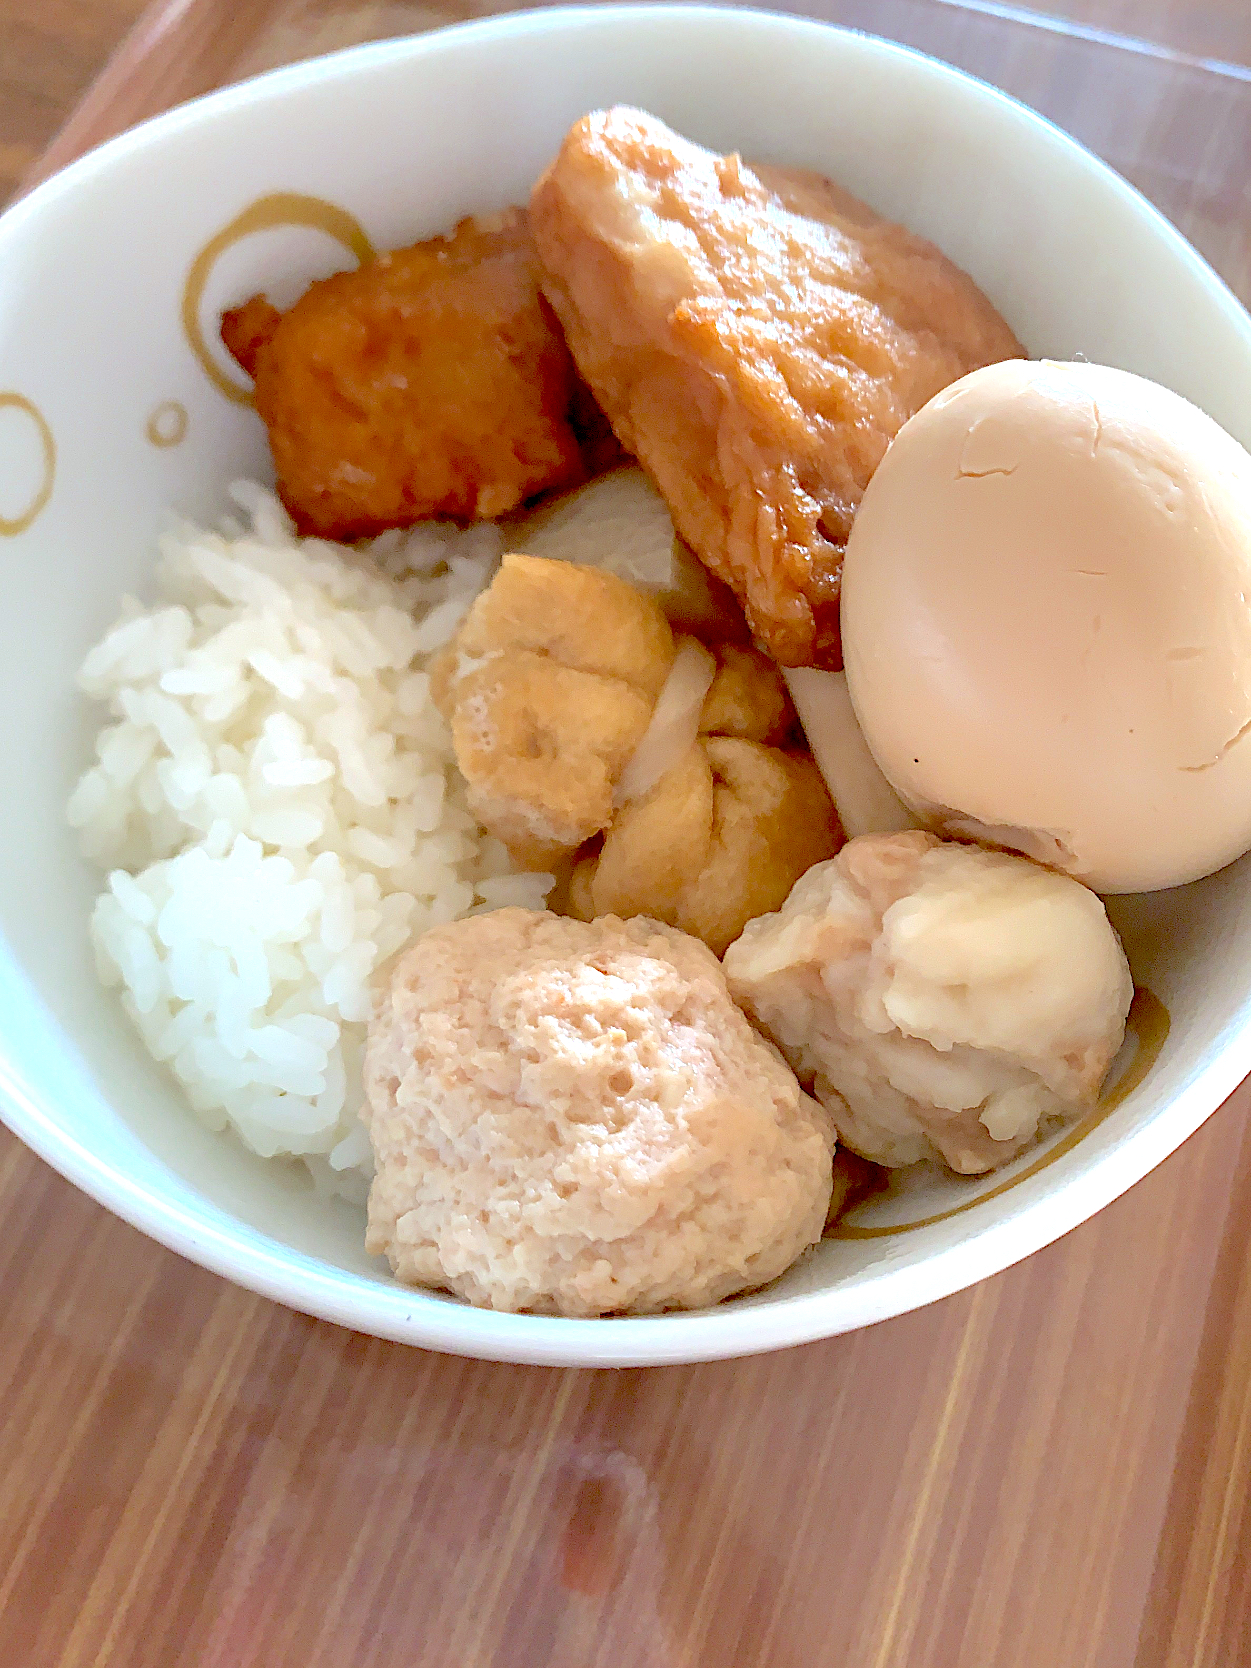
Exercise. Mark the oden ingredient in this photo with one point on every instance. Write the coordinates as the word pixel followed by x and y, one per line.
pixel 574 717
pixel 756 337
pixel 621 524
pixel 432 382
pixel 865 801
pixel 574 1118
pixel 1071 674
pixel 941 1001
pixel 724 831
pixel 722 837
pixel 549 688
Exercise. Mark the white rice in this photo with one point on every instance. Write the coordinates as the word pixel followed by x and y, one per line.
pixel 276 800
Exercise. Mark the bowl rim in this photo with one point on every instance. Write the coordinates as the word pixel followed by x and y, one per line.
pixel 306 1283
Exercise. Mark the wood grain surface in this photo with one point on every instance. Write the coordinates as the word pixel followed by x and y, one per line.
pixel 49 51
pixel 1049 1471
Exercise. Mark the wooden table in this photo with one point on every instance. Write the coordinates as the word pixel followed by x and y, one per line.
pixel 1050 1471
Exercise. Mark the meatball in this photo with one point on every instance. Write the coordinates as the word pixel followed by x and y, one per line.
pixel 575 1119
pixel 942 1001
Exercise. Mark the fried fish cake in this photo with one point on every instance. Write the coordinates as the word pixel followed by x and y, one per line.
pixel 757 338
pixel 432 382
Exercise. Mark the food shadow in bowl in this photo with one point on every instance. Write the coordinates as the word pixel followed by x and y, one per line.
pixel 92 339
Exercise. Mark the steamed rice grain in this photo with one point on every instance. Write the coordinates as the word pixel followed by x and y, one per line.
pixel 276 801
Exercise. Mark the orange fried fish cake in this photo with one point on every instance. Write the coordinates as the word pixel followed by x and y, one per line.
pixel 432 382
pixel 248 329
pixel 756 338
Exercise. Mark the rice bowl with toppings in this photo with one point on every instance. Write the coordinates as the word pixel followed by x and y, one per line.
pixel 76 1080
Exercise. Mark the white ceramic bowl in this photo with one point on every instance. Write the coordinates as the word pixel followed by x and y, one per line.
pixel 406 137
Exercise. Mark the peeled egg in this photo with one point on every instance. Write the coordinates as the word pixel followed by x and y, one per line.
pixel 1046 617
